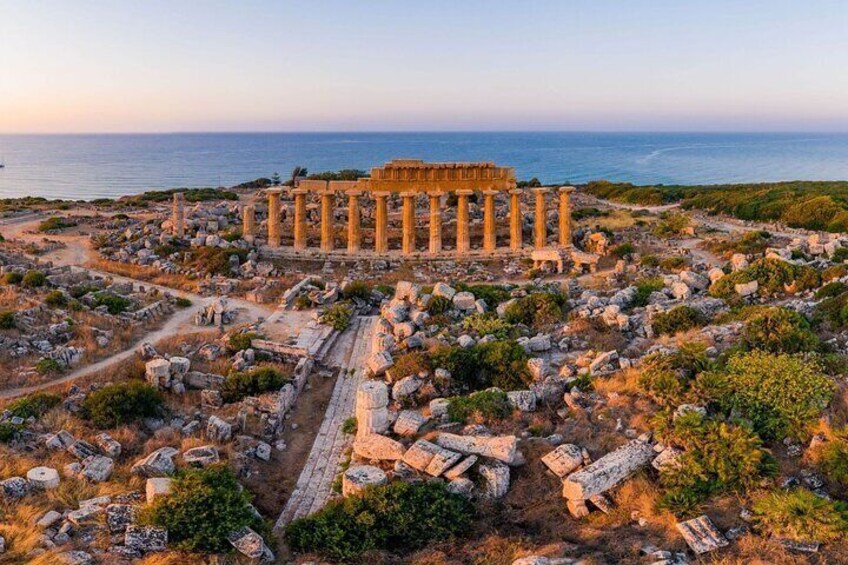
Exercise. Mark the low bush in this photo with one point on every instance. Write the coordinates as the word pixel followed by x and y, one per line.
pixel 81 290
pixel 539 310
pixel 482 406
pixel 671 224
pixel 800 515
pixel 203 507
pixel 717 456
pixel 48 366
pixel 831 289
pixel 487 324
pixel 678 319
pixel 833 311
pixel 774 276
pixel 501 364
pixel 114 303
pixel 398 517
pixel 779 330
pixel 832 458
pixel 215 260
pixel 349 426
pixel 644 288
pixel 439 305
pixel 491 294
pixel 33 405
pixel 262 379
pixel 649 261
pixel 411 363
pixel 54 223
pixel 840 255
pixel 7 320
pixel 9 431
pixel 675 263
pixel 750 243
pixel 182 302
pixel 241 341
pixel 357 289
pixel 623 250
pixel 338 316
pixel 34 279
pixel 56 299
pixel 780 394
pixel 122 403
pixel 668 377
pixel 13 278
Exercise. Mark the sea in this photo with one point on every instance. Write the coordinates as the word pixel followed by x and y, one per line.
pixel 84 167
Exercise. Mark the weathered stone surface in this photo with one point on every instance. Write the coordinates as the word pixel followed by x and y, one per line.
pixel 43 478
pixel 747 289
pixel 108 445
pixel 463 301
pixel 502 448
pixel 157 486
pixel 249 543
pixel 82 449
pixel 564 459
pixel 701 535
pixel 218 429
pixel 607 471
pixel 378 448
pixel 379 362
pixel 443 290
pixel 439 407
pixel 75 557
pixel 201 456
pixel 158 464
pixel 358 477
pixel 495 477
pixel 14 487
pixel 146 538
pixel 158 372
pixel 85 514
pixel 97 468
pixel 49 518
pixel 524 400
pixel 420 453
pixel 409 422
pixel 119 516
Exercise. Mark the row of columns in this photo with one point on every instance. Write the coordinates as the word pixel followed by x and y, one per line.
pixel 408 245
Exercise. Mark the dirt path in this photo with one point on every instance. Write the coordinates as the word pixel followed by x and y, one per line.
pixel 315 483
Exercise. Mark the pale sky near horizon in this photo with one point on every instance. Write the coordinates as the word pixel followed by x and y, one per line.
pixel 383 65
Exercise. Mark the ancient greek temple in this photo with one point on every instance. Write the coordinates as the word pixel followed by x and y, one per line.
pixel 409 179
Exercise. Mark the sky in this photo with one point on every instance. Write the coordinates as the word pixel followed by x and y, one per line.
pixel 434 65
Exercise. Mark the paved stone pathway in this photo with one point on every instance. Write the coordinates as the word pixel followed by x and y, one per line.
pixel 314 486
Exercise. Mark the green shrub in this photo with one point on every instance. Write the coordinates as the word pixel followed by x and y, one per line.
pixel 56 299
pixel 215 260
pixel 678 319
pixel 81 290
pixel 33 405
pixel 122 403
pixel 491 294
pixel 9 431
pixel 780 394
pixel 338 316
pixel 671 224
pixel 302 302
pixel 485 405
pixel 644 288
pixel 538 310
pixel 53 223
pixel 262 379
pixel 203 507
pixel 114 303
pixel 357 289
pixel 831 289
pixel 241 341
pixel 833 310
pixel 668 377
pixel 487 324
pixel 411 363
pixel 675 263
pixel 13 278
pixel 649 261
pixel 833 461
pixel 349 426
pixel 779 330
pixel 623 250
pixel 501 364
pixel 398 517
pixel 772 275
pixel 717 456
pixel 182 302
pixel 840 255
pixel 750 243
pixel 7 320
pixel 800 515
pixel 48 366
pixel 439 305
pixel 33 279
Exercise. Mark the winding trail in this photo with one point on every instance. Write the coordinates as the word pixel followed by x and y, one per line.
pixel 315 483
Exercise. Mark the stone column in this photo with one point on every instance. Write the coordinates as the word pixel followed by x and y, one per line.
pixel 489 233
pixel 463 241
pixel 248 222
pixel 541 234
pixel 178 217
pixel 299 218
pixel 381 223
pixel 565 215
pixel 327 201
pixel 274 227
pixel 353 221
pixel 515 222
pixel 408 222
pixel 435 222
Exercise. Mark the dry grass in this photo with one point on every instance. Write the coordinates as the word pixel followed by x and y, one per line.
pixel 148 274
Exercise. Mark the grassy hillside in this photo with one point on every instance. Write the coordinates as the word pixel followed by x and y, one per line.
pixel 815 205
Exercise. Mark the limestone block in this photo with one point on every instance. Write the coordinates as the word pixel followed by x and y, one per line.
pixel 667 457
pixel 462 486
pixel 738 261
pixel 201 456
pixel 108 445
pixel 158 464
pixel 442 461
pixel 439 407
pixel 681 290
pixel 409 422
pixel 420 453
pixel 539 343
pixel 378 448
pixel 443 290
pixel 463 301
pixel 538 368
pixel 158 372
pixel 465 341
pixel 43 478
pixel 495 477
pixel 502 448
pixel 97 468
pixel 403 330
pixel 49 518
pixel 694 280
pixel 358 477
pixel 119 516
pixel 602 360
pixel 379 362
pixel 179 366
pixel 372 421
pixel 218 430
pixel 75 557
pixel 747 289
pixel 405 290
pixel 146 538
pixel 250 544
pixel 564 459
pixel 701 535
pixel 157 486
pixel 406 387
pixel 372 394
pixel 86 514
pixel 577 508
pixel 608 471
pixel 715 274
pixel 14 487
pixel 457 470
pixel 524 400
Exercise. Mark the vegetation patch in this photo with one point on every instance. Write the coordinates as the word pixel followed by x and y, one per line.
pixel 34 279
pixel 115 303
pixel 488 324
pixel 338 316
pixel 779 330
pixel 239 385
pixel 800 515
pixel 501 364
pixel 773 276
pixel 33 405
pixel 54 223
pixel 482 406
pixel 122 403
pixel 539 310
pixel 678 319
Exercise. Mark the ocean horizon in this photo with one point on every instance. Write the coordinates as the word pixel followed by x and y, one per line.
pixel 88 166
